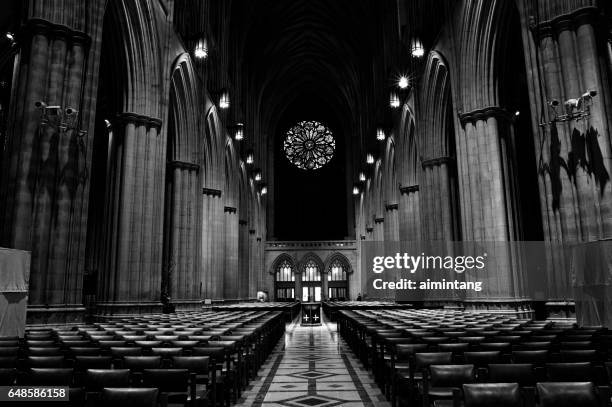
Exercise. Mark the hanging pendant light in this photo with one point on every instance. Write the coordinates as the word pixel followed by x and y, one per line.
pixel 370 158
pixel 224 100
pixel 416 48
pixel 380 134
pixel 201 49
pixel 362 176
pixel 394 100
pixel 239 134
pixel 403 82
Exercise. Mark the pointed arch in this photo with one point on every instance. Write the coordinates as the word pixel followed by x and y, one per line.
pixel 136 51
pixel 336 256
pixel 283 257
pixel 185 118
pixel 310 256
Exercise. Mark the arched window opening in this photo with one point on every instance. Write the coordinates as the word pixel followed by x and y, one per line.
pixel 338 281
pixel 285 281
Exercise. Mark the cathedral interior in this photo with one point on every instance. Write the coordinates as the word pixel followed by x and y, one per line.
pixel 206 202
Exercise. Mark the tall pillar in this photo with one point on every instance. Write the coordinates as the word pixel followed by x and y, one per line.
pixel 212 243
pixel 182 248
pixel 230 271
pixel 298 284
pixel 132 264
pixel 570 46
pixel 45 170
pixel 409 213
pixel 255 283
pixel 325 284
pixel 392 224
pixel 243 269
pixel 488 175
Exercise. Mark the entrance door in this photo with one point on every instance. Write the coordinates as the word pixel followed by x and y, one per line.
pixel 311 293
pixel 311 282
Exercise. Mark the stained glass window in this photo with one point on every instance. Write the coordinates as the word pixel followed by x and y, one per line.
pixel 311 272
pixel 284 272
pixel 337 272
pixel 309 145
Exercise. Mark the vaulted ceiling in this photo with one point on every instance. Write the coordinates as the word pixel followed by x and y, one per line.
pixel 331 48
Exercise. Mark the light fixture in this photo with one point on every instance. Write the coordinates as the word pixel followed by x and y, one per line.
pixel 394 100
pixel 239 134
pixel 416 48
pixel 257 175
pixel 362 176
pixel 201 49
pixel 264 190
pixel 403 82
pixel 517 113
pixel 249 158
pixel 355 190
pixel 224 100
pixel 577 108
pixel 9 35
pixel 370 158
pixel 380 134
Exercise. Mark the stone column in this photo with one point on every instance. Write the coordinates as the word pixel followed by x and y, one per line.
pixel 212 243
pixel 230 271
pixel 44 175
pixel 243 269
pixel 392 224
pixel 180 257
pixel 409 213
pixel 489 178
pixel 324 284
pixel 298 284
pixel 255 283
pixel 132 269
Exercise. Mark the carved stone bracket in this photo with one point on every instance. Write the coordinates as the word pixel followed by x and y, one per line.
pixel 484 114
pixel 129 117
pixel 184 165
pixel 391 207
pixel 436 161
pixel 408 189
pixel 211 192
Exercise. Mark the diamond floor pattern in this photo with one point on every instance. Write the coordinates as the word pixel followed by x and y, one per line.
pixel 313 367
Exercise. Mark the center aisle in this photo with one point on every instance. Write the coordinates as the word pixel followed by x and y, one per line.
pixel 313 368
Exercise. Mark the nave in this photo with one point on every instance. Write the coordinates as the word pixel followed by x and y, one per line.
pixel 313 366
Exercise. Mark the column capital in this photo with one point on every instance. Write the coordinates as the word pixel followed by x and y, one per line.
pixel 379 220
pixel 391 207
pixel 229 209
pixel 432 162
pixel 38 26
pixel 242 222
pixel 211 192
pixel 484 114
pixel 183 165
pixel 139 119
pixel 408 189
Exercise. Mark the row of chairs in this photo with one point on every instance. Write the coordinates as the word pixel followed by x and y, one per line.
pixel 223 350
pixel 400 346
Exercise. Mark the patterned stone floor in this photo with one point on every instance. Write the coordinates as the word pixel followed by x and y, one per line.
pixel 313 367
